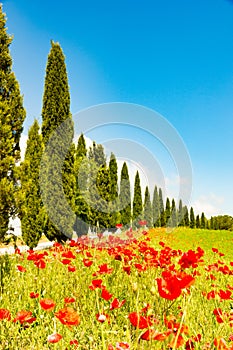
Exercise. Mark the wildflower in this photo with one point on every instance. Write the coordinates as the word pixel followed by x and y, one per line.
pixel 102 317
pixel 24 317
pixel 122 346
pixel 69 255
pixel 139 321
pixel 54 338
pixel 21 268
pixel 5 314
pixel 34 295
pixel 103 269
pixel 119 225
pixel 71 268
pixel 87 262
pixel 96 284
pixel 74 342
pixel 68 316
pixel 116 304
pixel 47 304
pixel 106 295
pixel 68 300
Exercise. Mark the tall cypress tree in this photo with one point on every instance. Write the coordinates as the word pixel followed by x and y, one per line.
pixel 212 223
pixel 137 201
pixel 125 197
pixel 180 214
pixel 203 221
pixel 192 218
pixel 197 221
pixel 103 183
pixel 186 216
pixel 155 208
pixel 31 209
pixel 173 214
pixel 167 212
pixel 161 209
pixel 97 166
pixel 114 199
pixel 147 208
pixel 12 115
pixel 58 162
pixel 81 195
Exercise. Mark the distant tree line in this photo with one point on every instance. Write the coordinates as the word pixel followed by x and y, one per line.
pixel 84 177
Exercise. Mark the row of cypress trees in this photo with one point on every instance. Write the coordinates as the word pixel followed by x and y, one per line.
pixel 55 168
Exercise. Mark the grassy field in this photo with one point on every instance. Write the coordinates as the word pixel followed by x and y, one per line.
pixel 159 291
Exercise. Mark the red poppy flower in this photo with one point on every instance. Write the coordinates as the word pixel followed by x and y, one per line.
pixel 221 344
pixel 71 268
pixel 65 261
pixel 116 304
pixel 21 268
pixel 119 225
pixel 68 316
pixel 103 269
pixel 5 314
pixel 153 334
pixel 24 317
pixel 68 300
pixel 225 295
pixel 211 295
pixel 34 295
pixel 69 255
pixel 127 269
pixel 219 315
pixel 54 338
pixel 47 304
pixel 40 263
pixel 96 284
pixel 122 346
pixel 168 288
pixel 87 262
pixel 17 251
pixel 106 295
pixel 74 342
pixel 139 321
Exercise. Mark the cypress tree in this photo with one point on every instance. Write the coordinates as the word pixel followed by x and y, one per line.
pixel 203 221
pixel 167 212
pixel 114 199
pixel 125 197
pixel 31 209
pixel 180 214
pixel 147 213
pixel 137 201
pixel 81 196
pixel 212 223
pixel 186 216
pixel 161 209
pixel 155 208
pixel 96 164
pixel 197 221
pixel 103 183
pixel 12 115
pixel 173 214
pixel 192 218
pixel 58 178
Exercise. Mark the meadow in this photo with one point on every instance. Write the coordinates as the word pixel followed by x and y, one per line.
pixel 145 290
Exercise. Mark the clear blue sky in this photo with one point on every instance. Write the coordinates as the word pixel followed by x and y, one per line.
pixel 173 56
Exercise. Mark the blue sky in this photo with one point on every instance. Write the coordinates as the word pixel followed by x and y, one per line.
pixel 172 56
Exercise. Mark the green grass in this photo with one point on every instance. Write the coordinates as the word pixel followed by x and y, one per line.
pixel 138 288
